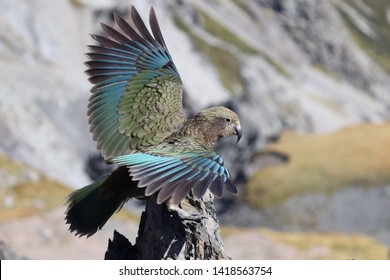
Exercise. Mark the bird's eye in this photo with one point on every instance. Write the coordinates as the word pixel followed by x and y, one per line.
pixel 228 120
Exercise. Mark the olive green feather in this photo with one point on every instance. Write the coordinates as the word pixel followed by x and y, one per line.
pixel 136 117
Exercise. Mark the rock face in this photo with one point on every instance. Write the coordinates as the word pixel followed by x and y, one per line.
pixel 295 65
pixel 7 254
pixel 44 94
pixel 300 65
pixel 350 210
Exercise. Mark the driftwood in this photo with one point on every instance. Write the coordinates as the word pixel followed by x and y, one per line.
pixel 189 230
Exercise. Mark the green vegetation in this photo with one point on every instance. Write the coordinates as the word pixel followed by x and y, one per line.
pixel 358 156
pixel 320 67
pixel 226 64
pixel 243 5
pixel 28 196
pixel 217 30
pixel 378 47
pixel 338 246
pixel 33 194
pixel 318 245
pixel 278 67
pixel 220 32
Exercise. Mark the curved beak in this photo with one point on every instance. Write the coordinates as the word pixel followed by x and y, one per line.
pixel 238 132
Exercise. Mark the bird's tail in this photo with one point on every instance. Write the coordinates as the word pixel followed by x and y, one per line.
pixel 90 207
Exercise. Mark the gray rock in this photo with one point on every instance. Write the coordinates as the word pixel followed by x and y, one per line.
pixel 309 75
pixel 7 254
pixel 353 209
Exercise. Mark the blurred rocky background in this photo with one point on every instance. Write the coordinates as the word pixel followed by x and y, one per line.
pixel 310 81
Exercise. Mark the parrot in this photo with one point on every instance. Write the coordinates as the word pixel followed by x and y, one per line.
pixel 137 119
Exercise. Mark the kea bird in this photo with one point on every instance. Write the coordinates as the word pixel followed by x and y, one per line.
pixel 137 119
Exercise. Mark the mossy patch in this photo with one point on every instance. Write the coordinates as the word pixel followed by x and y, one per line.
pixel 218 31
pixel 226 64
pixel 317 245
pixel 27 192
pixel 357 156
pixel 338 246
pixel 377 47
pixel 243 5
pixel 31 198
pixel 23 194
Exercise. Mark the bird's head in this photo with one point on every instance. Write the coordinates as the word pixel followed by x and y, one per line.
pixel 217 122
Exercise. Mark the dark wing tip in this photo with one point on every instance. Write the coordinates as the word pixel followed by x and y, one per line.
pixel 133 10
pixel 180 193
pixel 230 186
pixel 156 28
pixel 216 187
pixel 139 23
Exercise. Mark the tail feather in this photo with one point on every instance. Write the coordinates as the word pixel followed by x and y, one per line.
pixel 89 208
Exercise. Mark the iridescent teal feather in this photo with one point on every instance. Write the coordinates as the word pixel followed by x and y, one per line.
pixel 180 169
pixel 121 69
pixel 136 117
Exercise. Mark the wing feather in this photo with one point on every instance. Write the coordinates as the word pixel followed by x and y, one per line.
pixel 136 99
pixel 156 28
pixel 137 20
pixel 174 175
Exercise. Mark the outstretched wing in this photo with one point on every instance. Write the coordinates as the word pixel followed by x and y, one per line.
pixel 175 175
pixel 137 98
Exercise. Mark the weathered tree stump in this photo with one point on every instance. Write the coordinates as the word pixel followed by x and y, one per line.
pixel 186 231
